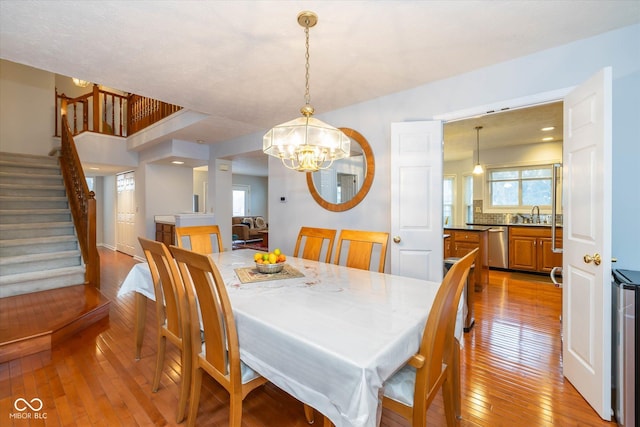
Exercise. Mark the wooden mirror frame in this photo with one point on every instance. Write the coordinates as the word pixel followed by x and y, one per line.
pixel 366 185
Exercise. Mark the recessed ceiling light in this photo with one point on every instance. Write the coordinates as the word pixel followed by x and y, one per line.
pixel 547 129
pixel 94 168
pixel 548 138
pixel 177 162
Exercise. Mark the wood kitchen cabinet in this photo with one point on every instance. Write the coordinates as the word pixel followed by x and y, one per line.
pixel 530 249
pixel 464 241
pixel 165 233
pixel 447 246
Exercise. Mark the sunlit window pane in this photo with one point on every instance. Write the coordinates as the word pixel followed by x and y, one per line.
pixel 520 187
pixel 536 192
pixel 504 193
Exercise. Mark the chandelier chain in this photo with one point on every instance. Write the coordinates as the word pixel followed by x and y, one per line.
pixel 307 96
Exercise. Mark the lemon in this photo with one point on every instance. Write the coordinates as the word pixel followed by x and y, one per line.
pixel 257 256
pixel 276 251
pixel 273 258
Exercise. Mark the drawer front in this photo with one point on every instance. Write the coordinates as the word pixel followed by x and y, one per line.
pixel 466 236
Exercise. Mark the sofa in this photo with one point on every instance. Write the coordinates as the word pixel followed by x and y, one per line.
pixel 248 227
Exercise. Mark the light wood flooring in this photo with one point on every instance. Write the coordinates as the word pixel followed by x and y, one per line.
pixel 511 370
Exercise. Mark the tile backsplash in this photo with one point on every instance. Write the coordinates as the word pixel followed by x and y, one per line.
pixel 505 218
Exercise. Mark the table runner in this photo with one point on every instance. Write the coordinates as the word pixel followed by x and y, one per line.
pixel 252 275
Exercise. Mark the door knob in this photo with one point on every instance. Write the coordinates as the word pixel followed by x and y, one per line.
pixel 396 239
pixel 595 258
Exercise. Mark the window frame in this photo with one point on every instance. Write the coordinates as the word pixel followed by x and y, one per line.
pixel 488 205
pixel 452 217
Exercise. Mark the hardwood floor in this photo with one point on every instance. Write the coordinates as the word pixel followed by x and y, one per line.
pixel 511 370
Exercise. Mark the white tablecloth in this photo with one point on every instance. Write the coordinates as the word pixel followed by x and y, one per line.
pixel 138 280
pixel 330 338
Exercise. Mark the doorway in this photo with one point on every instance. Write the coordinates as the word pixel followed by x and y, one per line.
pixel 126 213
pixel 524 141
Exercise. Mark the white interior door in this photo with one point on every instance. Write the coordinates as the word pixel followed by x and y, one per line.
pixel 126 213
pixel 416 200
pixel 586 292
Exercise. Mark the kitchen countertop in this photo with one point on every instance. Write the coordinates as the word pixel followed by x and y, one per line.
pixel 514 225
pixel 469 227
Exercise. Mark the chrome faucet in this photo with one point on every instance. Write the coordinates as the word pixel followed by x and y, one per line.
pixel 537 215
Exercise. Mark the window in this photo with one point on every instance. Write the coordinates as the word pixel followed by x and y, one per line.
pixel 468 198
pixel 520 187
pixel 90 183
pixel 448 199
pixel 241 198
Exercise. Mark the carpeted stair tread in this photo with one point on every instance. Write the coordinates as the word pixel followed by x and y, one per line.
pixel 38 257
pixel 37 240
pixel 40 275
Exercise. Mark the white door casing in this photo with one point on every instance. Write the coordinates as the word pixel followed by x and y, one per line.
pixel 586 292
pixel 416 200
pixel 126 213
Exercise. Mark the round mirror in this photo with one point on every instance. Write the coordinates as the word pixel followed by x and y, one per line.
pixel 347 181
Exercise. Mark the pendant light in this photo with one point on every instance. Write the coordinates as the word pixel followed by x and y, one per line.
pixel 477 170
pixel 306 144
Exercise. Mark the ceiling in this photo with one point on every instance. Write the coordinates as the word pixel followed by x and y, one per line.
pixel 242 62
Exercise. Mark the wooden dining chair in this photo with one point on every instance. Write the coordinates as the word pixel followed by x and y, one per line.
pixel 314 239
pixel 410 391
pixel 219 354
pixel 361 244
pixel 172 315
pixel 199 238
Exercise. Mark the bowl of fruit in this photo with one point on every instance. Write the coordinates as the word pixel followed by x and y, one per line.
pixel 272 262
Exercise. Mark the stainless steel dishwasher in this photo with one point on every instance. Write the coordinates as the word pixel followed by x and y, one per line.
pixel 499 247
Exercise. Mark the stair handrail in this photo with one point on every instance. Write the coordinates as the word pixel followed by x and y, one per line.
pixel 82 202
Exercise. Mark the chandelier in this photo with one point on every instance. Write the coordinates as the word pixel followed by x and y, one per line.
pixel 80 83
pixel 306 144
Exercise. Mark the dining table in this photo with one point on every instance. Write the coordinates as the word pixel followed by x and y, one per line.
pixel 327 334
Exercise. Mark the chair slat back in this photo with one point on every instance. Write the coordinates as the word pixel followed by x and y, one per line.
pixel 438 336
pixel 361 244
pixel 314 239
pixel 199 238
pixel 205 289
pixel 168 286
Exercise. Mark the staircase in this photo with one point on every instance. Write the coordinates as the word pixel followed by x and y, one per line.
pixel 38 245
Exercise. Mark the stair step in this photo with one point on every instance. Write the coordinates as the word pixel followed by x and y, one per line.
pixel 17 284
pixel 30 178
pixel 32 190
pixel 34 164
pixel 12 265
pixel 18 216
pixel 34 230
pixel 33 202
pixel 36 245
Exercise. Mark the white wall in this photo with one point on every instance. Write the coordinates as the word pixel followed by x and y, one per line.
pixel 554 69
pixel 27 109
pixel 107 205
pixel 200 181
pixel 161 190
